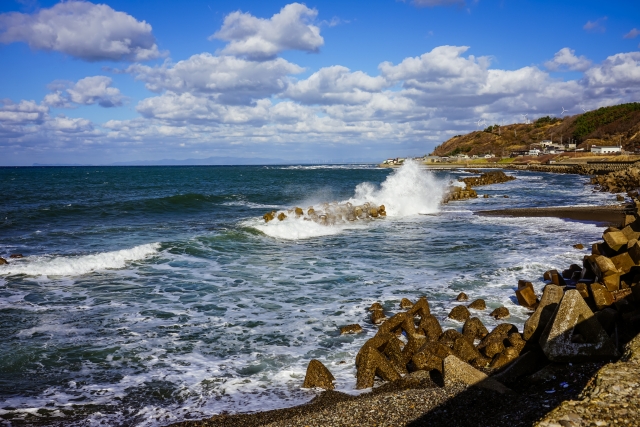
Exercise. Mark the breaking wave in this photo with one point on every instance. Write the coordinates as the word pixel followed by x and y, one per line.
pixel 409 190
pixel 47 265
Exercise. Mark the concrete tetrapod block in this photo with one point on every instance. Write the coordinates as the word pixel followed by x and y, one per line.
pixel 615 239
pixel 455 369
pixel 574 334
pixel 318 376
pixel 551 296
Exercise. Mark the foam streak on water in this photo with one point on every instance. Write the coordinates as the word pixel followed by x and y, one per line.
pixel 101 327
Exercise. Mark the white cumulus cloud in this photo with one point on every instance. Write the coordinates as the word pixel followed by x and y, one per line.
pixel 91 32
pixel 86 91
pixel 335 85
pixel 566 59
pixel 260 39
pixel 232 80
pixel 617 71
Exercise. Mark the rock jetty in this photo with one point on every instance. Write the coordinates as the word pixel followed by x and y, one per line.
pixel 585 314
pixel 467 192
pixel 331 213
pixel 627 180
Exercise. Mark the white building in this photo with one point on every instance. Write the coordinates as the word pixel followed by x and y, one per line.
pixel 534 152
pixel 605 149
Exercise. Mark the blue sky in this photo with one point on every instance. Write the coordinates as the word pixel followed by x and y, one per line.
pixel 122 81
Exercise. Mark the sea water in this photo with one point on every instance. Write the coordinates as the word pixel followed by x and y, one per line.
pixel 149 295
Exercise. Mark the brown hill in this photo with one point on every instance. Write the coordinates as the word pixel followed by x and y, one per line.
pixel 605 126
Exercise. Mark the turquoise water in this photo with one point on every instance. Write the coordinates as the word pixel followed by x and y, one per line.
pixel 149 295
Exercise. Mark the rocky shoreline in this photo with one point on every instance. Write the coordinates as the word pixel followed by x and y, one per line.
pixel 586 317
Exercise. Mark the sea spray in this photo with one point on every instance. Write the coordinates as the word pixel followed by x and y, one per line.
pixel 78 265
pixel 409 190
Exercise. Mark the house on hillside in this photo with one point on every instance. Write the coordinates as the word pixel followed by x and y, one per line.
pixel 603 149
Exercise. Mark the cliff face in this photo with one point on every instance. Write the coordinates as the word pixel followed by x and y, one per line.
pixel 605 126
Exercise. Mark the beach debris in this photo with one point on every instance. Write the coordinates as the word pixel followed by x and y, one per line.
pixel 462 297
pixel 478 304
pixel 351 329
pixel 318 376
pixel 460 313
pixel 500 313
pixel 3 261
pixel 575 333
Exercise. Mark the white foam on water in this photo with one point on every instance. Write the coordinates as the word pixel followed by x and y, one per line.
pixel 47 265
pixel 296 228
pixel 409 190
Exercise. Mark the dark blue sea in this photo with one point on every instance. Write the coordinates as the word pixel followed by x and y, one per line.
pixel 149 295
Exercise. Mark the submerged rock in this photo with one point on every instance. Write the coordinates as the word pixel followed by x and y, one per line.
pixel 459 313
pixel 478 304
pixel 351 329
pixel 3 261
pixel 462 297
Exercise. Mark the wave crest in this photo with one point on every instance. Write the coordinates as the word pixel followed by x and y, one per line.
pixel 47 265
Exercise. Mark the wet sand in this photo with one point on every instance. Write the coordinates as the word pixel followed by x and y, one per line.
pixel 611 215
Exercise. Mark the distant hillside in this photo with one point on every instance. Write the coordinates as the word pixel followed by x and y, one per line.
pixel 604 126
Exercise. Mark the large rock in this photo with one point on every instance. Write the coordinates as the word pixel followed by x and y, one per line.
pixel 523 365
pixel 604 266
pixel 500 313
pixel 478 304
pixel 413 346
pixel 499 360
pixel 373 364
pixel 623 262
pixel 420 308
pixel 615 239
pixel 430 327
pixel 574 334
pixel 351 329
pixel 465 350
pixel 456 370
pixel 3 261
pixel 633 249
pixel 601 295
pixel 378 342
pixel 393 351
pixel 526 295
pixel 474 329
pixel 462 297
pixel 318 376
pixel 405 303
pixel 377 317
pixel 551 296
pixel 460 313
pixel 426 361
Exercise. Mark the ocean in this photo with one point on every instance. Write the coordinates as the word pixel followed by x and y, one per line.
pixel 150 295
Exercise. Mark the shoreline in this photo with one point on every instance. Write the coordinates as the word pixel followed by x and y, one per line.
pixel 419 398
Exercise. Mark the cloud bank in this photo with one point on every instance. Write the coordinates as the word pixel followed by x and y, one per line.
pixel 82 30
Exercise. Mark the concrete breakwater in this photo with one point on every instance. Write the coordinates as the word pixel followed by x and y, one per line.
pixel 330 213
pixel 585 314
pixel 467 192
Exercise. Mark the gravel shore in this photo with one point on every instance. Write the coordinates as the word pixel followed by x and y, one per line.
pixel 417 400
